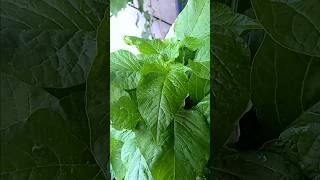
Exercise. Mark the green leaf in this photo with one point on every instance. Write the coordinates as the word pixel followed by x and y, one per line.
pixel 301 142
pixel 294 23
pixel 19 100
pixel 193 20
pixel 231 69
pixel 44 147
pixel 124 114
pixel 97 95
pixel 125 69
pixel 160 94
pixel 191 144
pixel 204 107
pixel 250 166
pixel 131 156
pixel 49 43
pixel 186 151
pixel 201 69
pixel 227 19
pixel 284 84
pixel 168 48
pixel 201 46
pixel 118 168
pixel 198 88
pixel 116 93
pixel 117 5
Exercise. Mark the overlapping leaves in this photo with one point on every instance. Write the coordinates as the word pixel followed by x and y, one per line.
pixel 162 106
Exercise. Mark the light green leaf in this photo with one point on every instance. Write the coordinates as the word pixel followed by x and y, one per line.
pixel 125 69
pixel 201 69
pixel 186 151
pixel 117 5
pixel 193 20
pixel 191 144
pixel 204 107
pixel 118 168
pixel 198 88
pixel 293 23
pixel 160 93
pixel 168 48
pixel 124 114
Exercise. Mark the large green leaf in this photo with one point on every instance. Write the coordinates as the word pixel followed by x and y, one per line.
pixel 49 43
pixel 186 151
pixel 45 146
pixel 293 23
pixel 284 84
pixel 231 67
pixel 191 144
pixel 19 100
pixel 160 94
pixel 193 21
pixel 97 99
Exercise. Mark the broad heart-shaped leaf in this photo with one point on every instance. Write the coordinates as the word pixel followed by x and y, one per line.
pixel 19 100
pixel 44 147
pixel 97 100
pixel 301 142
pixel 231 69
pixel 186 151
pixel 193 21
pixel 160 93
pixel 293 23
pixel 168 48
pixel 255 165
pixel 284 84
pixel 124 114
pixel 225 18
pixel 125 69
pixel 49 43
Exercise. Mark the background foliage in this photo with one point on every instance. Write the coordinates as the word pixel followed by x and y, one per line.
pixel 47 51
pixel 266 90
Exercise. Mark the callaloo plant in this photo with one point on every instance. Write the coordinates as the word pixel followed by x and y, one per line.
pixel 160 103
